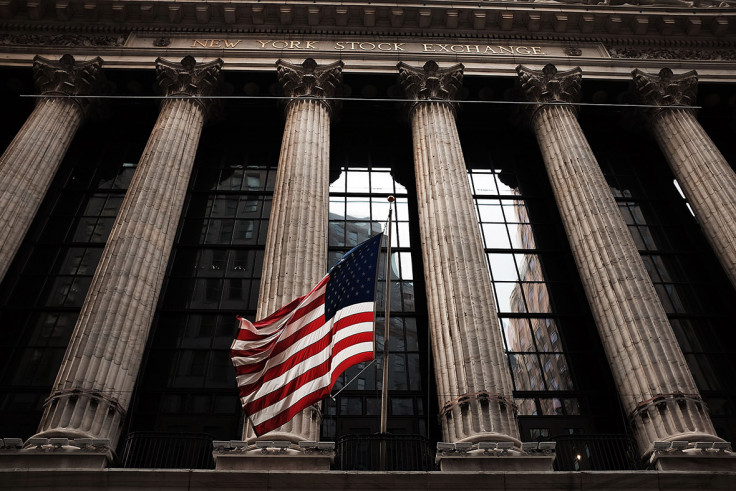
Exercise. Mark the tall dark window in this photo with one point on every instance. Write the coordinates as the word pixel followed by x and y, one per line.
pixel 359 209
pixel 187 381
pixel 528 318
pixel 371 159
pixel 562 384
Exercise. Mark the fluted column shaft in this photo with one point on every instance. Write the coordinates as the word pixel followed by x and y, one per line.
pixel 704 175
pixel 295 258
pixel 653 380
pixel 707 180
pixel 473 380
pixel 30 162
pixel 94 386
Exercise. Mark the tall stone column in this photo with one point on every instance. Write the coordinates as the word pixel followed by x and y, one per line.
pixel 295 258
pixel 654 382
pixel 473 380
pixel 93 389
pixel 705 177
pixel 33 157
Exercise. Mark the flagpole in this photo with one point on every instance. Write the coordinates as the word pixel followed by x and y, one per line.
pixel 386 329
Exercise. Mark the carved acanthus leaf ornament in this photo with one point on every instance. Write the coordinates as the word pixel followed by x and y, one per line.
pixel 550 85
pixel 665 89
pixel 188 78
pixel 431 83
pixel 66 76
pixel 310 80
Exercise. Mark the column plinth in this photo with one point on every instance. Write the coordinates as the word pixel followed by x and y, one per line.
pixel 94 386
pixel 30 162
pixel 653 380
pixel 473 381
pixel 704 175
pixel 295 258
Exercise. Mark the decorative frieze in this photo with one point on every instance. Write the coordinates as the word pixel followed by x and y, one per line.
pixel 673 53
pixel 71 40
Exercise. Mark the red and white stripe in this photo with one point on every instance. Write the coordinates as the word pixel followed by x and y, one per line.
pixel 292 358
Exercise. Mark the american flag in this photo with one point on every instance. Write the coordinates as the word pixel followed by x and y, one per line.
pixel 292 358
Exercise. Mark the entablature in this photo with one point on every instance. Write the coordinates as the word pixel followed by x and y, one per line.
pixel 609 18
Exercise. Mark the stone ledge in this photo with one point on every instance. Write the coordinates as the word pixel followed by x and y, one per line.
pixel 273 456
pixel 272 462
pixel 209 480
pixel 694 462
pixel 681 455
pixel 54 460
pixel 55 453
pixel 510 463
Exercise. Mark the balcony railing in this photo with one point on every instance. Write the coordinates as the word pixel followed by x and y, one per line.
pixel 402 453
pixel 153 450
pixel 363 452
pixel 596 453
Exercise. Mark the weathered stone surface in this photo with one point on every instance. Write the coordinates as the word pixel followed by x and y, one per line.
pixel 653 380
pixel 33 157
pixel 473 381
pixel 295 258
pixel 708 181
pixel 95 383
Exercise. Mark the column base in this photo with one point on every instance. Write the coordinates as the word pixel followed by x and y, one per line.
pixel 239 456
pixel 700 461
pixel 55 453
pixel 473 463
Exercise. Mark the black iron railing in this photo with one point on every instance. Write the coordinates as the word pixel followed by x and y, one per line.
pixel 402 453
pixel 596 453
pixel 363 452
pixel 153 450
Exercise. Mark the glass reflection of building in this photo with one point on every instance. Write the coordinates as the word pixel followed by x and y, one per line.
pixel 542 379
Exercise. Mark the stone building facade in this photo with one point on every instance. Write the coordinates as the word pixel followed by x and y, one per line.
pixel 564 261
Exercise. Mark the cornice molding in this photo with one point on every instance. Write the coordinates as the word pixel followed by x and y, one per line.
pixel 699 19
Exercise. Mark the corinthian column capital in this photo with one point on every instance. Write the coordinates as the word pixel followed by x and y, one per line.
pixel 309 80
pixel 431 83
pixel 65 76
pixel 550 85
pixel 188 78
pixel 665 88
